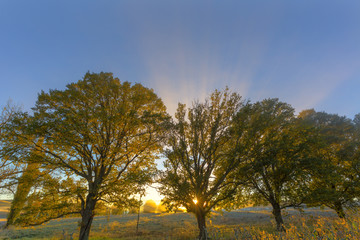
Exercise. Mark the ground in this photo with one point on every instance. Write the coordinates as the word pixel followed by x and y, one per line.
pixel 156 226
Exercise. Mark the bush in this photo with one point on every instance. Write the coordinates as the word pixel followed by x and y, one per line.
pixel 150 206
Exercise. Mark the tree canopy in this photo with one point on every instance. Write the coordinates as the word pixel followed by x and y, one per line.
pixel 198 158
pixel 100 134
pixel 335 180
pixel 276 156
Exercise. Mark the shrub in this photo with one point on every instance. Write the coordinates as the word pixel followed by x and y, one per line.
pixel 150 206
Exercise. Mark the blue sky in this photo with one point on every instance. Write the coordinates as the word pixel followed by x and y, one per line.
pixel 306 53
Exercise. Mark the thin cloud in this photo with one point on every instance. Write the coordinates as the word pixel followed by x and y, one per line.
pixel 183 72
pixel 302 83
pixel 278 54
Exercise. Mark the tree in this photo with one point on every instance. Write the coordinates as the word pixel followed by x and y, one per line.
pixel 33 181
pixel 49 197
pixel 24 184
pixel 100 134
pixel 197 158
pixel 335 180
pixel 150 206
pixel 277 146
pixel 356 141
pixel 9 169
pixel 15 172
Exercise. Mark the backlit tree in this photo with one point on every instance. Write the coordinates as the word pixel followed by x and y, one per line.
pixel 198 158
pixel 101 134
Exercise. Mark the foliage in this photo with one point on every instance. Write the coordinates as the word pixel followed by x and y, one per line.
pixel 103 135
pixel 197 159
pixel 276 156
pixel 52 198
pixel 335 181
pixel 24 184
pixel 92 146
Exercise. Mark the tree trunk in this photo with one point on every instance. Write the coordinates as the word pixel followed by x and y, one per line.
pixel 138 217
pixel 87 216
pixel 200 217
pixel 278 217
pixel 338 207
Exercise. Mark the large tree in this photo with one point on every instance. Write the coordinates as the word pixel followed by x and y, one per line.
pixel 198 157
pixel 335 179
pixel 277 146
pixel 100 134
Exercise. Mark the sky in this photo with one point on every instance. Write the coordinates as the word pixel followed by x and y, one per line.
pixel 306 53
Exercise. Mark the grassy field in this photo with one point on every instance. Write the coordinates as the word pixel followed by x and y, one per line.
pixel 250 223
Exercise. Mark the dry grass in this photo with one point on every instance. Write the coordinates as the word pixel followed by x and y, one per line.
pixel 251 223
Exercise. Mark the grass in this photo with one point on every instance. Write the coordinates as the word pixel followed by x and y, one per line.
pixel 251 223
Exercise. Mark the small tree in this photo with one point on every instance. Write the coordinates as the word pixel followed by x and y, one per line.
pixel 24 184
pixel 101 134
pixel 46 197
pixel 198 159
pixel 277 146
